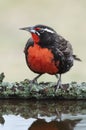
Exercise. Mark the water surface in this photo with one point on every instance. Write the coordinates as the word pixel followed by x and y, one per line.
pixel 42 115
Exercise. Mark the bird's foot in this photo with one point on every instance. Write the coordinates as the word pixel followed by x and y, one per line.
pixel 59 85
pixel 35 79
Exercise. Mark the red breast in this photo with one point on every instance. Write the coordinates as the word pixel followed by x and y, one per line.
pixel 41 60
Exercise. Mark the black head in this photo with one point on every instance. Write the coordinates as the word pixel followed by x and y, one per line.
pixel 44 34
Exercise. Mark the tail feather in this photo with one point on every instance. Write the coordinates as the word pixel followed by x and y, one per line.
pixel 76 58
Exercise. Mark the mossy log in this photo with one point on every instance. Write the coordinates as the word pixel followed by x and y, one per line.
pixel 29 90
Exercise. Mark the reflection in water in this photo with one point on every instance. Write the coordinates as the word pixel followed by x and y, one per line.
pixel 2 121
pixel 36 115
pixel 41 124
pixel 13 122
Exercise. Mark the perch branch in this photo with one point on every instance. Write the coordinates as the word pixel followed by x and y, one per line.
pixel 28 90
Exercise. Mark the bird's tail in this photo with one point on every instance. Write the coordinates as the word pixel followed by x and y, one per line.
pixel 76 58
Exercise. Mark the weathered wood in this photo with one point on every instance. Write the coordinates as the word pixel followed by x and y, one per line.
pixel 28 90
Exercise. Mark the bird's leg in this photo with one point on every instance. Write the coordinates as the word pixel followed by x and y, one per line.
pixel 58 114
pixel 57 76
pixel 59 84
pixel 35 79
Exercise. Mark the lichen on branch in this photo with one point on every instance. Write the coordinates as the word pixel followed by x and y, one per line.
pixel 29 90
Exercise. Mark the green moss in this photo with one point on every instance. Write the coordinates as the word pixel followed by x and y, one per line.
pixel 27 89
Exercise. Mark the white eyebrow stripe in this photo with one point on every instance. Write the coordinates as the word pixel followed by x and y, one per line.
pixel 48 30
pixel 33 31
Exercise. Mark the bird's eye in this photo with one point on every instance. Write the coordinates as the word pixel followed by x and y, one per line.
pixel 39 29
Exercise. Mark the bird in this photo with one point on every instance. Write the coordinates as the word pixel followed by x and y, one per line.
pixel 48 52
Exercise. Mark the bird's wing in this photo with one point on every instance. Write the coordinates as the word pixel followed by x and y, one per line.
pixel 65 47
pixel 63 53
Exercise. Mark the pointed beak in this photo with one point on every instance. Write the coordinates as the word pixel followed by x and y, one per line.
pixel 29 29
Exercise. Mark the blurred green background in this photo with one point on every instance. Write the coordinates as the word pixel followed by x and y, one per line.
pixel 67 17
